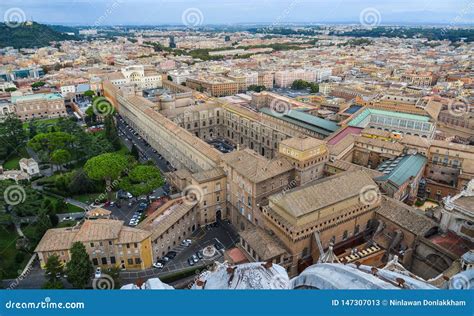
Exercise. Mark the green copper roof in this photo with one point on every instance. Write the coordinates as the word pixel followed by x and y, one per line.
pixel 399 170
pixel 367 112
pixel 39 96
pixel 305 120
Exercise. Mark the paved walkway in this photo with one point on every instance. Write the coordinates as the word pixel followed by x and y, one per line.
pixel 80 204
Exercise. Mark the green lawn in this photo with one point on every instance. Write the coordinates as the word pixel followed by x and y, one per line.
pixel 73 209
pixel 41 123
pixel 13 162
pixel 86 198
pixel 8 253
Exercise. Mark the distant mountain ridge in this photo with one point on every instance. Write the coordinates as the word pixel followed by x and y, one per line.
pixel 30 35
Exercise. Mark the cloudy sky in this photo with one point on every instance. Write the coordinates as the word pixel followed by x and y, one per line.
pixel 155 12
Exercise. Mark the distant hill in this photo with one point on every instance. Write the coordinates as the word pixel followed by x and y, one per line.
pixel 30 35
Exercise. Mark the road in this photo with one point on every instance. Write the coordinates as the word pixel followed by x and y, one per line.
pixel 129 138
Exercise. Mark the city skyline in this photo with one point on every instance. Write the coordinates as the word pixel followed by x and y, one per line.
pixel 276 12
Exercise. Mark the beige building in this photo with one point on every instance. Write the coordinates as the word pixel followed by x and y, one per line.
pixel 308 156
pixel 39 106
pixel 170 224
pixel 251 179
pixel 108 242
pixel 337 208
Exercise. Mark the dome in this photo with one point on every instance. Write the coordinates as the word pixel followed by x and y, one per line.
pixel 247 276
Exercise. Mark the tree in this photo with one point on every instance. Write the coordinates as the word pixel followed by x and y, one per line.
pixel 79 269
pixel 53 268
pixel 47 143
pixel 60 157
pixel 80 183
pixel 299 85
pixel 12 135
pixel 43 223
pixel 106 167
pixel 134 152
pixel 38 84
pixel 111 132
pixel 314 88
pixel 114 273
pixel 89 93
pixel 256 88
pixel 142 180
pixel 170 78
pixel 32 130
pixel 10 89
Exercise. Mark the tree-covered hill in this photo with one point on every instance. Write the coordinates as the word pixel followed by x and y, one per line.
pixel 30 35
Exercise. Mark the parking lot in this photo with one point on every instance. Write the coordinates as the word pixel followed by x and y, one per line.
pixel 222 145
pixel 223 234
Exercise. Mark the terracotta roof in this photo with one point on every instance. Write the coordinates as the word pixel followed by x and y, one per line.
pixel 57 239
pixel 100 229
pixel 405 216
pixel 322 193
pixel 379 143
pixel 303 143
pixel 254 167
pixel 349 166
pixel 263 244
pixel 131 235
pixel 166 216
pixel 208 175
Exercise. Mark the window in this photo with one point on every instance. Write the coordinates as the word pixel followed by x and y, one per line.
pixel 135 245
pixel 92 244
pixel 104 260
pixel 95 261
pixel 130 261
pixel 344 235
pixel 110 242
pixel 138 261
pixel 112 260
pixel 128 246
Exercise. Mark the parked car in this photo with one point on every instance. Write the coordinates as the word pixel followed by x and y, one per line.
pixel 199 254
pixel 184 243
pixel 188 241
pixel 158 265
pixel 195 258
pixel 98 273
pixel 218 246
pixel 171 254
pixel 191 261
